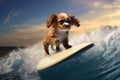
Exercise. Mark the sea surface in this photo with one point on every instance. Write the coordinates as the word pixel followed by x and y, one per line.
pixel 100 62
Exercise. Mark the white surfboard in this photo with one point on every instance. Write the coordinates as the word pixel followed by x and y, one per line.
pixel 58 57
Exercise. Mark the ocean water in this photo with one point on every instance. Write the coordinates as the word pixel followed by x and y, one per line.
pixel 100 62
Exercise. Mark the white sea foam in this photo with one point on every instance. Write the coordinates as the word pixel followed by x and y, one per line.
pixel 26 60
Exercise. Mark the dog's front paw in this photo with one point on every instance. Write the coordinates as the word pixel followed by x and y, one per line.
pixel 69 46
pixel 58 49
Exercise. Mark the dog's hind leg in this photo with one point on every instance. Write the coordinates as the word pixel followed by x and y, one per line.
pixel 58 48
pixel 52 47
pixel 57 45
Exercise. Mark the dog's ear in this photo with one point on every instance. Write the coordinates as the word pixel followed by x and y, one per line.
pixel 51 20
pixel 75 21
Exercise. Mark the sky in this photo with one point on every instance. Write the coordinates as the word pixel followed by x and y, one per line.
pixel 22 22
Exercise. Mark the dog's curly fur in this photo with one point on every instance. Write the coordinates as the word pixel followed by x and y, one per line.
pixel 59 26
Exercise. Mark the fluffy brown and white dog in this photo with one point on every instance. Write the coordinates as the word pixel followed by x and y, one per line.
pixel 59 26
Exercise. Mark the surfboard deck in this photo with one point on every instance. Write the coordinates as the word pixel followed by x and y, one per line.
pixel 58 57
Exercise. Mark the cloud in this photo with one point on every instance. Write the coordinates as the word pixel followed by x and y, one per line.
pixel 102 13
pixel 30 28
pixel 31 32
pixel 28 35
pixel 106 5
pixel 98 4
pixel 102 5
pixel 82 1
pixel 10 16
pixel 110 18
pixel 116 4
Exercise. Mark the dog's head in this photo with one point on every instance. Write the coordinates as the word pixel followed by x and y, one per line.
pixel 62 21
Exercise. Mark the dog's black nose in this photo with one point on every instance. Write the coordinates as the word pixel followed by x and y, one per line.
pixel 67 26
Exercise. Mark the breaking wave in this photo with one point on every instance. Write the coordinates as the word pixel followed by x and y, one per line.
pixel 101 62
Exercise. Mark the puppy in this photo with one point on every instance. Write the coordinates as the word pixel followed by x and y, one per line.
pixel 59 26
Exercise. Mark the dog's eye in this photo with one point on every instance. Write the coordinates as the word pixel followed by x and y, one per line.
pixel 68 21
pixel 61 21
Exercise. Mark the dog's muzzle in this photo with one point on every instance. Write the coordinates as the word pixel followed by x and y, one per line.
pixel 66 25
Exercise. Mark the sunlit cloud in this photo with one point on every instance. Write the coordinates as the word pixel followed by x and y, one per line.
pixel 30 28
pixel 24 36
pixel 111 18
pixel 102 13
pixel 102 5
pixel 116 4
pixel 106 5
